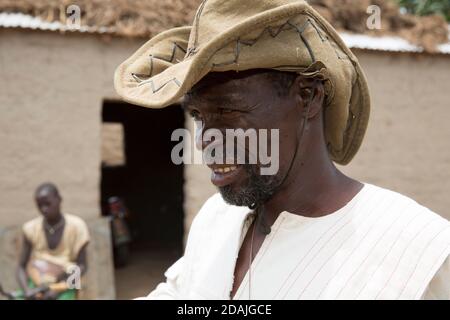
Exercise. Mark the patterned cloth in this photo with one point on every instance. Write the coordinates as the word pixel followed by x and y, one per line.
pixel 75 236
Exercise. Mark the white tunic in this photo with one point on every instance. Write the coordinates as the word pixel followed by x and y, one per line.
pixel 380 245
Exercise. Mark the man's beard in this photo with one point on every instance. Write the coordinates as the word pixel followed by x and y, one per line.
pixel 258 189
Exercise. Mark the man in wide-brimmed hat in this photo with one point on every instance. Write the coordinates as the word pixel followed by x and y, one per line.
pixel 307 231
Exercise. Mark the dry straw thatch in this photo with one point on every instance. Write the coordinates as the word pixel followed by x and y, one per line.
pixel 133 18
pixel 145 18
pixel 351 15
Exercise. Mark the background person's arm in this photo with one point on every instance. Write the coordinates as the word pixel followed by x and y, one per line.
pixel 22 276
pixel 81 262
pixel 82 259
pixel 61 283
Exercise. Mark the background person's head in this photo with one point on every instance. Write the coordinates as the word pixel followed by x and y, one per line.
pixel 114 205
pixel 48 201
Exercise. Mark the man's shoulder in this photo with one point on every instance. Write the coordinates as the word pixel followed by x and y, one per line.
pixel 389 200
pixel 404 217
pixel 216 208
pixel 31 225
pixel 33 222
pixel 417 239
pixel 217 203
pixel 75 222
pixel 73 218
pixel 384 199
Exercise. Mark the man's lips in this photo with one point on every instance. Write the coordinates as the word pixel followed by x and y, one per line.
pixel 222 175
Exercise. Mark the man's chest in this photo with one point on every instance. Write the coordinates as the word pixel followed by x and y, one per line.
pixel 343 259
pixel 250 247
pixel 53 239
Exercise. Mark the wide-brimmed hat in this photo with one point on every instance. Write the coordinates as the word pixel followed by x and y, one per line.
pixel 226 35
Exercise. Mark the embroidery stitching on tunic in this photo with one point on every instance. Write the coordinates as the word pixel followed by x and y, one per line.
pixel 372 211
pixel 420 231
pixel 326 233
pixel 421 255
pixel 360 242
pixel 381 237
pixel 445 254
pixel 381 262
pixel 260 256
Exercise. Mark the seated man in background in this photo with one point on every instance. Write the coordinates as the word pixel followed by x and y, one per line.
pixel 54 245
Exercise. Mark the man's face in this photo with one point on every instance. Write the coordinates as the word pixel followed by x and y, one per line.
pixel 245 100
pixel 48 204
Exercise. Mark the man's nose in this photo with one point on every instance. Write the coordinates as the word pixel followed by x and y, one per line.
pixel 200 142
pixel 213 139
pixel 201 127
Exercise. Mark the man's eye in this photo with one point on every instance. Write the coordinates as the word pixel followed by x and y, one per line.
pixel 195 114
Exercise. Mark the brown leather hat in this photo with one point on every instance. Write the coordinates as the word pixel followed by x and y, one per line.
pixel 238 35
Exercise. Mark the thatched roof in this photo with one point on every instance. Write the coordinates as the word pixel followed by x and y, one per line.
pixel 145 18
pixel 134 18
pixel 351 15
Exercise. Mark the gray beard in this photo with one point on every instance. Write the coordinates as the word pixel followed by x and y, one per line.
pixel 258 190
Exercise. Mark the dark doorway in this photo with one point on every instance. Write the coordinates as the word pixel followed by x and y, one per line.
pixel 148 182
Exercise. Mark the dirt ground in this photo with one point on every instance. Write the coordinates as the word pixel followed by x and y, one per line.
pixel 145 270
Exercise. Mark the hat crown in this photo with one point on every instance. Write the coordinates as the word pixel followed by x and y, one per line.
pixel 213 17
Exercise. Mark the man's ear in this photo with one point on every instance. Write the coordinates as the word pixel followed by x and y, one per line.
pixel 310 93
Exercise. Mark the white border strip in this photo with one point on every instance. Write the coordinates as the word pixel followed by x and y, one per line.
pixel 20 20
pixel 358 41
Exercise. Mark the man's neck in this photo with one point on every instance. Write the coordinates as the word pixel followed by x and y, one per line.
pixel 314 188
pixel 55 221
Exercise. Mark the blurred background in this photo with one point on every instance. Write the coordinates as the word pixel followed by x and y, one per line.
pixel 61 121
